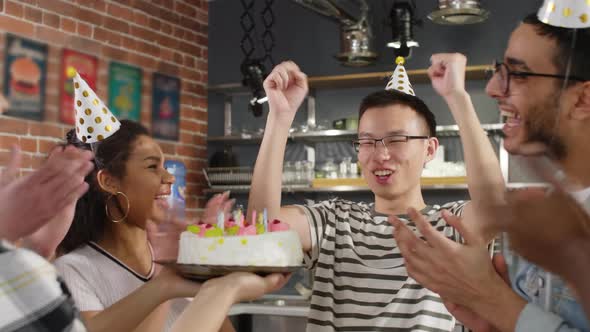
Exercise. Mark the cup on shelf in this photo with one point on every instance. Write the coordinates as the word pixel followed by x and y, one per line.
pixel 330 169
pixel 344 168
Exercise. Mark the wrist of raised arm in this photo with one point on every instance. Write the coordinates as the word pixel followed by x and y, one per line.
pixel 279 122
pixel 460 105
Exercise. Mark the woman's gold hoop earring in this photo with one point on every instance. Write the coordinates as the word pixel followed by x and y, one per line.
pixel 106 206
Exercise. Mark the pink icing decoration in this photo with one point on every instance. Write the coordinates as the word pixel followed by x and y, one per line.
pixel 230 223
pixel 249 230
pixel 278 226
pixel 204 228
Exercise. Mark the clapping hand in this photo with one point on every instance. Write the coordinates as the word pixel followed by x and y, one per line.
pixel 31 201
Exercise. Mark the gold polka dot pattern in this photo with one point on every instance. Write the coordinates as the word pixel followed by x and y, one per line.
pixel 399 80
pixel 571 14
pixel 94 120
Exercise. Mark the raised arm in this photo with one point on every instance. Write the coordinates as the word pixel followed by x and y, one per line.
pixel 484 177
pixel 286 87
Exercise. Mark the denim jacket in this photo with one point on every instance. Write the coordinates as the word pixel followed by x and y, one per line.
pixel 564 312
pixel 552 305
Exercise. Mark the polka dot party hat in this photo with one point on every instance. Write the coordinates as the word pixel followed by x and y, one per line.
pixel 94 121
pixel 573 14
pixel 399 80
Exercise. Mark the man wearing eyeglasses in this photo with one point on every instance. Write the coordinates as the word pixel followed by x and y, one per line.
pixel 541 104
pixel 360 278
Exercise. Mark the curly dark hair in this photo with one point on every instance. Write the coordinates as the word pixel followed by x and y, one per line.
pixel 111 155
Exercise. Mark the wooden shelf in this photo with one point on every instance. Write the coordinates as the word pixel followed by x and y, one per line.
pixel 358 80
pixel 338 135
pixel 289 189
pixel 301 189
pixel 312 136
pixel 381 78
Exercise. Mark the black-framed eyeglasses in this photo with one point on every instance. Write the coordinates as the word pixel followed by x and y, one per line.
pixel 505 73
pixel 389 142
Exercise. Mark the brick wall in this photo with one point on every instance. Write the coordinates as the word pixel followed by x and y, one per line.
pixel 167 36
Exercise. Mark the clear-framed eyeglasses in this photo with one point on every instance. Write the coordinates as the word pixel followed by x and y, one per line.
pixel 393 142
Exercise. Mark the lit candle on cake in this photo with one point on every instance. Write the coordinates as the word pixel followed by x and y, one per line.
pixel 236 215
pixel 265 220
pixel 241 219
pixel 260 224
pixel 220 220
pixel 260 219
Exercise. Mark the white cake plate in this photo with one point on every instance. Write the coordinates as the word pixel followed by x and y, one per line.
pixel 205 272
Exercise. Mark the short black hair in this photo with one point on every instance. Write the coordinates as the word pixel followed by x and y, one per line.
pixel 385 98
pixel 111 155
pixel 564 38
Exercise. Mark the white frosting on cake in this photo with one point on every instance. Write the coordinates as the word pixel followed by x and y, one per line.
pixel 269 249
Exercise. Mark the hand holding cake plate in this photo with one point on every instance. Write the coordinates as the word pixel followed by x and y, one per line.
pixel 205 272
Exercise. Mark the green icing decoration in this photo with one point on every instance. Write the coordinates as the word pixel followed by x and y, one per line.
pixel 214 232
pixel 193 229
pixel 232 230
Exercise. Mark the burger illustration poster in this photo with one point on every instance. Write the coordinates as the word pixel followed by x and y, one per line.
pixel 165 106
pixel 125 91
pixel 87 67
pixel 25 73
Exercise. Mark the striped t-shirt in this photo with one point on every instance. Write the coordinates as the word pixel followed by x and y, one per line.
pixel 360 280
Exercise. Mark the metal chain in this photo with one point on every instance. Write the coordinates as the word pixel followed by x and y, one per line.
pixel 268 39
pixel 247 24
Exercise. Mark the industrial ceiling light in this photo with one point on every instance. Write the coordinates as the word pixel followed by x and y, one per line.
pixel 456 12
pixel 402 28
pixel 356 38
pixel 356 49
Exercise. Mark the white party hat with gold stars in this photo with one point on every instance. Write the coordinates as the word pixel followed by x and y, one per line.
pixel 94 121
pixel 573 14
pixel 399 80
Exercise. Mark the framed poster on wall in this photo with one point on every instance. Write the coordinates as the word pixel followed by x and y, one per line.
pixel 165 106
pixel 177 197
pixel 125 91
pixel 87 66
pixel 25 73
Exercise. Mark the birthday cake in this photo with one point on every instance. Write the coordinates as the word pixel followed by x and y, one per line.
pixel 237 243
